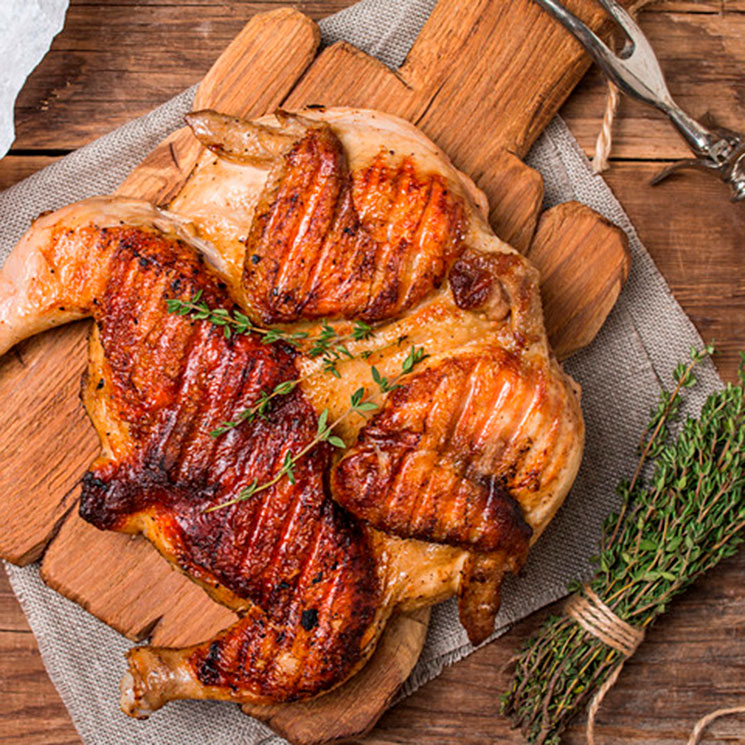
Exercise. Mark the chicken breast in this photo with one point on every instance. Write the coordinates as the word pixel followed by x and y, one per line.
pixel 312 221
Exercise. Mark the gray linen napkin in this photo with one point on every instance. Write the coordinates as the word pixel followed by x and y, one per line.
pixel 621 372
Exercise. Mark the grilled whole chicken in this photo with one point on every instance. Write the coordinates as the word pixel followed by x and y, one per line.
pixel 299 221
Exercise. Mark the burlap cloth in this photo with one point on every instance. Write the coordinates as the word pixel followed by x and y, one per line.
pixel 645 336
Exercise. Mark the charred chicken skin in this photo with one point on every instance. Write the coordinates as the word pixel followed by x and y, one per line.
pixel 338 215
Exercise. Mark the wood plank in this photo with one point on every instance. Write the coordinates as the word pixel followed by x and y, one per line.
pixel 77 81
pixel 54 562
pixel 503 72
pixel 516 199
pixel 15 168
pixel 430 90
pixel 123 581
pixel 694 234
pixel 12 617
pixel 721 7
pixel 32 712
pixel 91 82
pixel 32 384
pixel 255 56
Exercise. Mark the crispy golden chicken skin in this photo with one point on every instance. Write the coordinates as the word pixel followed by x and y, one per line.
pixel 324 246
pixel 158 384
pixel 337 214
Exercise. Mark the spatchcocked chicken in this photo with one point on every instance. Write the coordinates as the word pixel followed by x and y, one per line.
pixel 359 267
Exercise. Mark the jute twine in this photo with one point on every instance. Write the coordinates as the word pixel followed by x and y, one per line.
pixel 604 141
pixel 597 619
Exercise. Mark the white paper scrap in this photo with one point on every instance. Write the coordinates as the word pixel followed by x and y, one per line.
pixel 27 28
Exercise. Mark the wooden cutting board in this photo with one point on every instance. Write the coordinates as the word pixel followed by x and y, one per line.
pixel 482 80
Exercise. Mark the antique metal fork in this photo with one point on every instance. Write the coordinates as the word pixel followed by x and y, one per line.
pixel 637 72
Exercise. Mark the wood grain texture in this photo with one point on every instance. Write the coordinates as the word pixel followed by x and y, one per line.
pixel 687 666
pixel 41 464
pixel 122 580
pixel 115 61
pixel 571 239
pixel 15 168
pixel 251 76
pixel 690 663
pixel 696 237
pixel 515 200
pixel 92 81
pixel 693 233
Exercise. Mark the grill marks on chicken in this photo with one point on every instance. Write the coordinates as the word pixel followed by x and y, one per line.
pixel 302 569
pixel 446 461
pixel 442 460
pixel 446 486
pixel 462 447
pixel 314 631
pixel 325 244
pixel 313 637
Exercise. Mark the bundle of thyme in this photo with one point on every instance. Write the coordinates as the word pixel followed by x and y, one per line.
pixel 673 526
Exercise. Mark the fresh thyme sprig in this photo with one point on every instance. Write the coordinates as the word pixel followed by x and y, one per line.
pixel 672 527
pixel 331 347
pixel 260 408
pixel 328 344
pixel 360 402
pixel 233 322
pixel 413 358
pixel 324 433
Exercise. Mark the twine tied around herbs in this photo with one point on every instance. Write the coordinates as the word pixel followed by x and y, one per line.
pixel 597 619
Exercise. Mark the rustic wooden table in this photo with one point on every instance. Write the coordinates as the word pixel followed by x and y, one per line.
pixel 118 59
